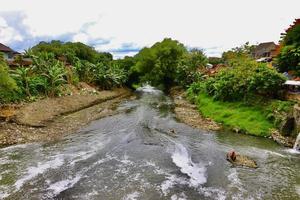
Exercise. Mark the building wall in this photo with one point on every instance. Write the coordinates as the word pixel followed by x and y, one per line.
pixel 7 55
pixel 265 51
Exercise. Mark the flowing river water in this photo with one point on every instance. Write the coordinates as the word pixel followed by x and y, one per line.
pixel 137 155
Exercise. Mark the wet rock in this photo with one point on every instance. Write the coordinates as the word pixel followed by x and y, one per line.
pixel 240 160
pixel 280 139
pixel 297 143
pixel 287 126
pixel 296 116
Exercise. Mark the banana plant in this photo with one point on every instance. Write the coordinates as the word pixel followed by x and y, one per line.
pixel 22 76
pixel 55 76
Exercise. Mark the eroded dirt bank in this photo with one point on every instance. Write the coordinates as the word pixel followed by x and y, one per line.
pixel 51 118
pixel 188 113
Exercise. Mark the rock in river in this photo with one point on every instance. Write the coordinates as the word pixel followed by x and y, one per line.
pixel 240 160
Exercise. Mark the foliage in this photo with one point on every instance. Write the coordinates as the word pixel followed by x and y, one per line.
pixel 157 64
pixel 190 68
pixel 85 70
pixel 278 110
pixel 71 50
pixel 246 79
pixel 292 36
pixel 7 84
pixel 289 56
pixel 215 60
pixel 54 75
pixel 109 77
pixel 126 63
pixel 22 77
pixel 45 76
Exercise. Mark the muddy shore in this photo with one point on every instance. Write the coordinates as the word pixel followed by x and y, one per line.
pixel 52 118
pixel 188 113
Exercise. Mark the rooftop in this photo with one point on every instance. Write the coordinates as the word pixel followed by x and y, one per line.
pixel 4 48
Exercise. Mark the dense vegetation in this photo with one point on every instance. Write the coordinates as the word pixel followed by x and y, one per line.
pixel 7 84
pixel 289 57
pixel 243 95
pixel 56 64
pixel 245 79
pixel 167 63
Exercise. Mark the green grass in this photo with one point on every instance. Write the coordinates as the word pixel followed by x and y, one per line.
pixel 249 119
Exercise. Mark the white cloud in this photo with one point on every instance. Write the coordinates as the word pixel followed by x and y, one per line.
pixel 7 33
pixel 81 37
pixel 196 23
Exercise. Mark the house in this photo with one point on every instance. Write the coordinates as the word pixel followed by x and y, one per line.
pixel 8 52
pixel 265 51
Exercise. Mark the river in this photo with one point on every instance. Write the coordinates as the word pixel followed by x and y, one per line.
pixel 144 153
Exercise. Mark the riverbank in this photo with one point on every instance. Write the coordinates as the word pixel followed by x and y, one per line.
pixel 51 118
pixel 188 113
pixel 239 118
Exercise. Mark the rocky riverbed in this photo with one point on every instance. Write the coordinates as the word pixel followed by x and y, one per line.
pixel 51 118
pixel 188 113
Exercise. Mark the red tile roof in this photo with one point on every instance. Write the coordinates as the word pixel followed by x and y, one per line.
pixel 4 48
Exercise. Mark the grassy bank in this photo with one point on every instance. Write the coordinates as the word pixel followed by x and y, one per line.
pixel 250 119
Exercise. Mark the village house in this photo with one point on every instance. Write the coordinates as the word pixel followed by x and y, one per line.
pixel 265 52
pixel 12 59
pixel 8 52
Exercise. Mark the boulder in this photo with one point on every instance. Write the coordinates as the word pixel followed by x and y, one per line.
pixel 296 115
pixel 240 160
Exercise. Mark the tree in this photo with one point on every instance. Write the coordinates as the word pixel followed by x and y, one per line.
pixel 215 60
pixel 191 67
pixel 157 64
pixel 71 50
pixel 289 56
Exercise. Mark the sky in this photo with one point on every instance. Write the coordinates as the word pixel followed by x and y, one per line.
pixel 123 27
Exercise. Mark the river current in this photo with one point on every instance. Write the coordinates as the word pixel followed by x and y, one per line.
pixel 145 153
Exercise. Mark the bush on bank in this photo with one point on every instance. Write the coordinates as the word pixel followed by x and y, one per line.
pixel 243 97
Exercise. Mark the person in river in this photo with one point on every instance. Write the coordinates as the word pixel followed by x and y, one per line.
pixel 231 156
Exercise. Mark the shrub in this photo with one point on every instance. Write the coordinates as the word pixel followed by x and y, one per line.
pixel 111 76
pixel 239 82
pixel 190 68
pixel 7 84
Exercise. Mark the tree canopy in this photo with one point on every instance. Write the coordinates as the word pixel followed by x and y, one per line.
pixel 71 49
pixel 289 56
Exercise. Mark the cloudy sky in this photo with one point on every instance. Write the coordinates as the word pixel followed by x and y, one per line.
pixel 122 27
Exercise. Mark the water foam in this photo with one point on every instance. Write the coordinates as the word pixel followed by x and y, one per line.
pixel 60 186
pixel 170 182
pixel 132 196
pixel 293 151
pixel 195 171
pixel 149 89
pixel 182 196
pixel 32 172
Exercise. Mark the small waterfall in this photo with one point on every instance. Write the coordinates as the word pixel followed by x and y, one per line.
pixel 297 143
